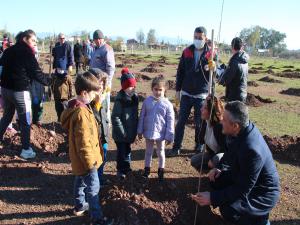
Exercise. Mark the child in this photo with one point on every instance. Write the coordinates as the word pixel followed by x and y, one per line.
pixel 99 106
pixel 37 96
pixel 124 120
pixel 84 147
pixel 156 124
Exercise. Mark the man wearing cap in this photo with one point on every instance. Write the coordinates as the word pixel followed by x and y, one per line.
pixel 62 65
pixel 103 58
pixel 191 87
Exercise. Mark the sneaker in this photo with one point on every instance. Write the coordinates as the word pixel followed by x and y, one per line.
pixel 121 175
pixel 80 211
pixel 173 152
pixel 28 153
pixel 199 148
pixel 104 221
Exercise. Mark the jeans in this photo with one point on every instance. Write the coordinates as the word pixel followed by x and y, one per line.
pixel 86 190
pixel 20 101
pixel 186 104
pixel 123 157
pixel 101 168
pixel 37 111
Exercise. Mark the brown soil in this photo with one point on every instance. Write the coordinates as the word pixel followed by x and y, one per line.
pixel 285 147
pixel 270 80
pixel 291 67
pixel 142 77
pixel 256 100
pixel 171 84
pixel 252 84
pixel 291 91
pixel 288 74
pixel 257 68
pixel 151 70
pixel 270 71
pixel 253 71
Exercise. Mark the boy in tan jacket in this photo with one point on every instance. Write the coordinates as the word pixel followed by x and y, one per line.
pixel 78 119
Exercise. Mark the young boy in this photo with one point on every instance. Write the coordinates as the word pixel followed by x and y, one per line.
pixel 84 147
pixel 99 107
pixel 124 120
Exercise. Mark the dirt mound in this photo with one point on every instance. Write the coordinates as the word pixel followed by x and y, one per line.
pixel 162 59
pixel 294 74
pixel 122 65
pixel 291 91
pixel 285 147
pixel 171 84
pixel 151 70
pixel 253 71
pixel 257 68
pixel 258 64
pixel 272 67
pixel 256 100
pixel 287 71
pixel 270 80
pixel 270 71
pixel 42 138
pixel 252 84
pixel 147 202
pixel 141 77
pixel 288 67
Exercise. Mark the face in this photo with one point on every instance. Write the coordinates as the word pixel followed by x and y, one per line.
pixel 158 91
pixel 30 41
pixel 129 90
pixel 229 127
pixel 199 36
pixel 62 39
pixel 205 112
pixel 89 96
pixel 98 42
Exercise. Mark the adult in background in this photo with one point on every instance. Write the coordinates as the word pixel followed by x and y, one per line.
pixel 62 64
pixel 103 58
pixel 247 188
pixel 78 55
pixel 234 78
pixel 20 68
pixel 191 88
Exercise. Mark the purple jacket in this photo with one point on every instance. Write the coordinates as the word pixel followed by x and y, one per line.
pixel 157 119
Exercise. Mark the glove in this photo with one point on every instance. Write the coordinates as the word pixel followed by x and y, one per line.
pixel 211 65
pixel 177 98
pixel 35 100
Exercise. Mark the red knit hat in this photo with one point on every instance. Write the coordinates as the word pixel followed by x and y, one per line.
pixel 127 79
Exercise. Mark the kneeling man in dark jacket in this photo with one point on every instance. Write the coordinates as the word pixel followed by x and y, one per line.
pixel 247 188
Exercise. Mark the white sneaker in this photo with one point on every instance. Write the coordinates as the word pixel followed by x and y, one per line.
pixel 28 154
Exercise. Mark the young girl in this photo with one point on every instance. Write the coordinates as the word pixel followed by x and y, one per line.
pixel 156 124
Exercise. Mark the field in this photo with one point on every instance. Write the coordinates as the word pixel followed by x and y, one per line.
pixel 39 191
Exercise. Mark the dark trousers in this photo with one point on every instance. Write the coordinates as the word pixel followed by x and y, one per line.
pixel 186 104
pixel 123 157
pixel 229 213
pixel 20 101
pixel 37 111
pixel 59 108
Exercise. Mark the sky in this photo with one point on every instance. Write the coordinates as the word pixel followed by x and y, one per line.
pixel 170 18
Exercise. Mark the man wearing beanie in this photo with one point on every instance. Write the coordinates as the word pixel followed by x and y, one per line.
pixel 124 120
pixel 103 58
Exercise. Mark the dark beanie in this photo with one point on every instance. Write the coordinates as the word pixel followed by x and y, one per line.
pixel 127 79
pixel 98 35
pixel 200 30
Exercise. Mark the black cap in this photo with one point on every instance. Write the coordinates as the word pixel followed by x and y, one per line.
pixel 98 35
pixel 200 30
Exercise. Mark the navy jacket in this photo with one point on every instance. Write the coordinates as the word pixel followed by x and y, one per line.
pixel 63 56
pixel 191 78
pixel 235 77
pixel 252 181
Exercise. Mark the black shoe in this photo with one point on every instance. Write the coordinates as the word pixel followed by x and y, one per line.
pixel 146 172
pixel 121 175
pixel 173 152
pixel 104 221
pixel 160 174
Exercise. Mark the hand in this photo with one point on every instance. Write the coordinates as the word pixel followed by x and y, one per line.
pixel 202 198
pixel 177 98
pixel 140 136
pixel 168 142
pixel 70 69
pixel 211 65
pixel 213 174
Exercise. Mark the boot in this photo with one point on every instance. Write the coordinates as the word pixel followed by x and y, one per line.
pixel 146 172
pixel 160 174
